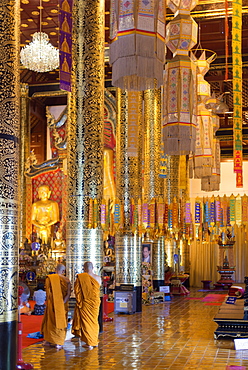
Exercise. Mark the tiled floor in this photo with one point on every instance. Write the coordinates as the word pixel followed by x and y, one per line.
pixel 173 335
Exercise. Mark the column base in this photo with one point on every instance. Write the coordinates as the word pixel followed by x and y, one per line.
pixel 8 345
pixel 138 290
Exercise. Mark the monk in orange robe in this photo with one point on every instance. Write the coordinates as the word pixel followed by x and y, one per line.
pixel 54 324
pixel 85 320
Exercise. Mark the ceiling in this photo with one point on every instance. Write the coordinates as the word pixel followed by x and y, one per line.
pixel 210 16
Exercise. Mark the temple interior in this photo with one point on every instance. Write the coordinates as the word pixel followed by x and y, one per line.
pixel 124 142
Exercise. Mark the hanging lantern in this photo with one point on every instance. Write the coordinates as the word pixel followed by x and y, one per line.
pixel 179 121
pixel 137 49
pixel 212 182
pixel 203 160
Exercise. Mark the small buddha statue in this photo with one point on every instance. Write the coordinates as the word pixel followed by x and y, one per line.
pixel 59 242
pixel 225 262
pixel 45 213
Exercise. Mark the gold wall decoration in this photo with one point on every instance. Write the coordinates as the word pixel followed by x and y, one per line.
pixel 85 135
pixel 9 164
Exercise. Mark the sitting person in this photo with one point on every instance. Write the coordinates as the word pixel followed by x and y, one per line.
pixel 39 298
pixel 25 308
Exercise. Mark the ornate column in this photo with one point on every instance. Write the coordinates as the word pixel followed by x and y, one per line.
pixel 9 197
pixel 152 181
pixel 24 153
pixel 128 186
pixel 85 135
pixel 173 175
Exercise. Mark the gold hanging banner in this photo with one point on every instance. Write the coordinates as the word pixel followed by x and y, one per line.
pixel 237 90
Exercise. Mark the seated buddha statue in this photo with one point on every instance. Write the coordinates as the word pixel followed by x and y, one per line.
pixel 45 213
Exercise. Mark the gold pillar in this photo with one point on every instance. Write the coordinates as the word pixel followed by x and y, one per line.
pixel 152 181
pixel 152 143
pixel 172 178
pixel 172 186
pixel 24 153
pixel 128 185
pixel 85 135
pixel 9 166
pixel 183 197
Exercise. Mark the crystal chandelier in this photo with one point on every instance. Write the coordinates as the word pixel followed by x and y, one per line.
pixel 40 55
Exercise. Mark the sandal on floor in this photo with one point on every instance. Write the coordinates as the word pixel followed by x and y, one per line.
pixel 87 346
pixel 58 346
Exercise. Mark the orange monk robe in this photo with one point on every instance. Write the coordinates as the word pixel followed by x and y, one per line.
pixel 85 320
pixel 54 323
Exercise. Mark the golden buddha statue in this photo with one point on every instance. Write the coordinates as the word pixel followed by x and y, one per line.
pixel 45 213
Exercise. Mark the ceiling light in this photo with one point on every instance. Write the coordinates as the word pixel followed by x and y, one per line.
pixel 40 55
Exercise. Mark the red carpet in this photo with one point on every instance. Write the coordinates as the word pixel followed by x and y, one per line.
pixel 214 298
pixel 30 324
pixel 211 299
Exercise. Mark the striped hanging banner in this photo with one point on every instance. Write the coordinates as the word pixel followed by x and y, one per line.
pixel 166 216
pixel 232 209
pixel 197 211
pixel 175 213
pixel 117 215
pixel 139 211
pixel 170 217
pixel 95 214
pixel 152 209
pixel 103 214
pixel 65 43
pixel 237 89
pixel 160 213
pixel 238 210
pixel 228 216
pixel 145 216
pixel 206 212
pixel 135 217
pixel 217 210
pixel 212 211
pixel 90 222
pixel 221 218
pixel 224 205
pixel 187 213
pixel 244 209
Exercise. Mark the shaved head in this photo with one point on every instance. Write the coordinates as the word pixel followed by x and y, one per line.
pixel 88 266
pixel 60 269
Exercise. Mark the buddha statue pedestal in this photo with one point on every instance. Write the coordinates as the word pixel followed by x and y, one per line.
pixel 225 270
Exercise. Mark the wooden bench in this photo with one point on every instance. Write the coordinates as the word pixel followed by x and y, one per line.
pixel 230 320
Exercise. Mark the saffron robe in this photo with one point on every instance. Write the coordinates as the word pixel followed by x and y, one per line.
pixel 54 323
pixel 85 320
